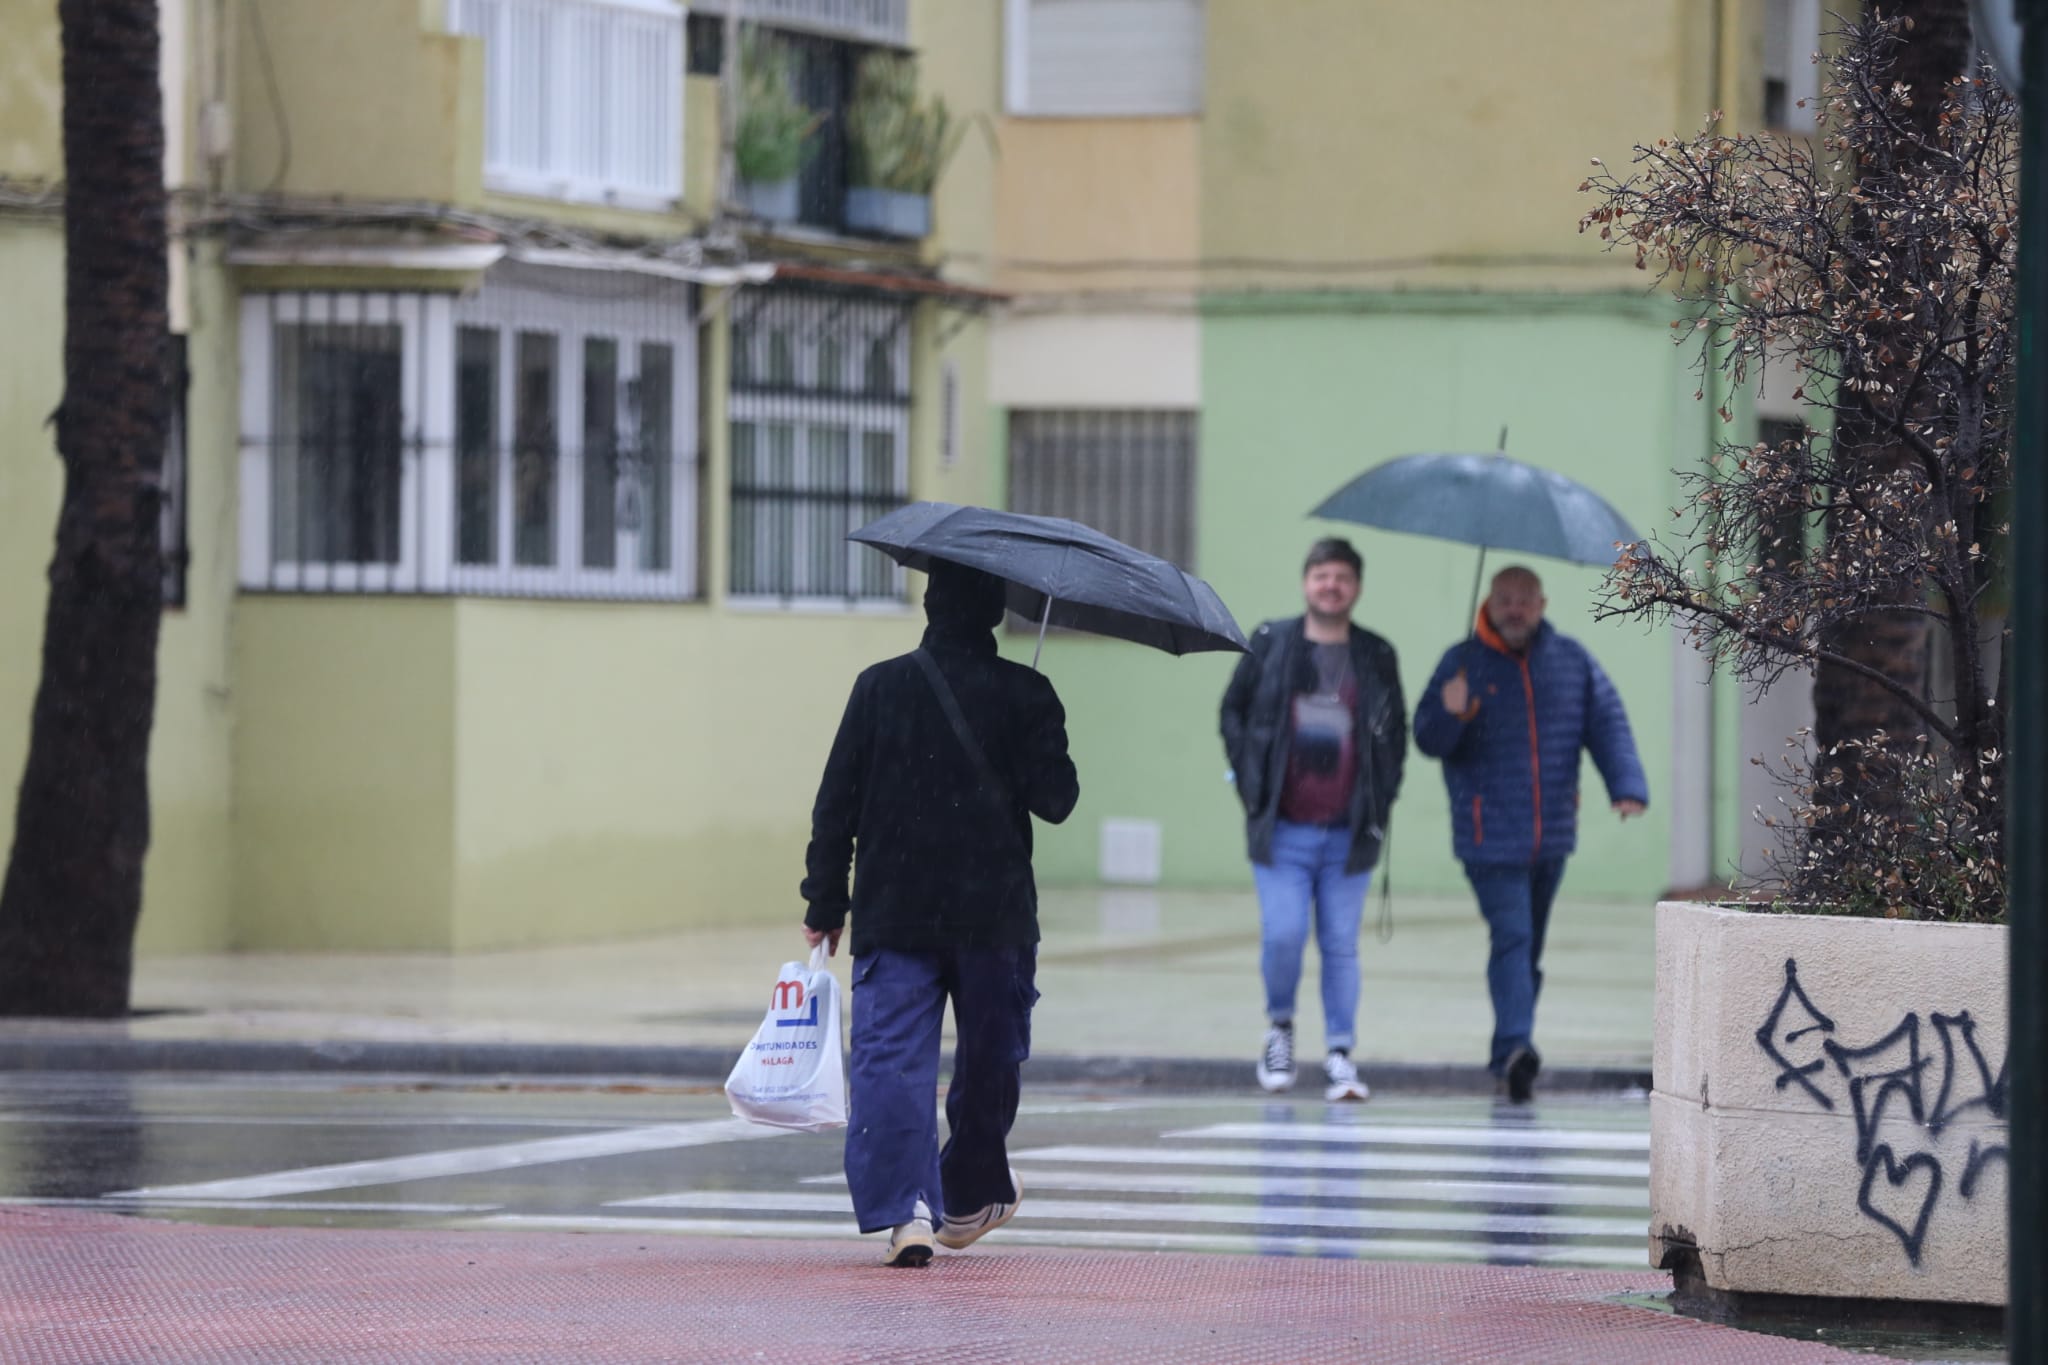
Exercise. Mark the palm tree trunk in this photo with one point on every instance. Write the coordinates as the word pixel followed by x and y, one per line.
pixel 73 888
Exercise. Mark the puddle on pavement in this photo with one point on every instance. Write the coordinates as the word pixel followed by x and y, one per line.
pixel 1899 1343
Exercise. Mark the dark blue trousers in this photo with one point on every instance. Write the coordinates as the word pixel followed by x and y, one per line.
pixel 1515 898
pixel 893 1157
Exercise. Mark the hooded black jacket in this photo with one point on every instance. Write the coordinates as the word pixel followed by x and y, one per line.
pixel 937 861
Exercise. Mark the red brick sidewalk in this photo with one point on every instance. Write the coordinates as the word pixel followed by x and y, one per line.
pixel 92 1287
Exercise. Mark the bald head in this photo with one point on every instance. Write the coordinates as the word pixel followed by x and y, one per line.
pixel 1515 605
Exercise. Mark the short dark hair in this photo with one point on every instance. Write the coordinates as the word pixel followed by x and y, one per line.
pixel 1333 550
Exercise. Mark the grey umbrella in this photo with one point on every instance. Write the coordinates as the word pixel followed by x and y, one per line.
pixel 1064 574
pixel 1490 501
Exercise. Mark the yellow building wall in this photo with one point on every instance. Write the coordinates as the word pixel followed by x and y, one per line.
pixel 31 480
pixel 344 772
pixel 31 92
pixel 1076 192
pixel 1429 144
pixel 188 890
pixel 959 59
pixel 367 100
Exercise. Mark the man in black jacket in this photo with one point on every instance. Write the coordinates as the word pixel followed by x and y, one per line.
pixel 1317 732
pixel 936 828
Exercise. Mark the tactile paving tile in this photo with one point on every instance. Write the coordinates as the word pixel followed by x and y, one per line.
pixel 89 1287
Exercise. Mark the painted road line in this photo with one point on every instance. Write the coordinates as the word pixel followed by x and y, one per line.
pixel 1496 1250
pixel 1635 1198
pixel 464 1161
pixel 1507 1139
pixel 1428 1163
pixel 1258 1215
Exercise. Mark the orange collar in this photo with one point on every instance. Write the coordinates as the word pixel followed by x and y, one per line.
pixel 1488 636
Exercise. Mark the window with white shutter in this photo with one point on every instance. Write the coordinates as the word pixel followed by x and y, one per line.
pixel 583 99
pixel 1105 58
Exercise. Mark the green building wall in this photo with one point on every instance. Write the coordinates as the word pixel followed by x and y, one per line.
pixel 1299 397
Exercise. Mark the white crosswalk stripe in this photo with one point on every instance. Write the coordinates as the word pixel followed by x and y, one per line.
pixel 1437 1163
pixel 1501 1139
pixel 1520 1194
pixel 1500 1192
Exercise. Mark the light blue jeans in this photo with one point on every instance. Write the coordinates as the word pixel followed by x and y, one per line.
pixel 1307 874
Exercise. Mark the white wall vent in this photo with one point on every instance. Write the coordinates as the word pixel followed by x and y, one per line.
pixel 1130 852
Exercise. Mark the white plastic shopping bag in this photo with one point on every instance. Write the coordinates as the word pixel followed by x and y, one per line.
pixel 793 1074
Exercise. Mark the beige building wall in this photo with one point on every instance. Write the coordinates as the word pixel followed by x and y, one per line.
pixel 369 100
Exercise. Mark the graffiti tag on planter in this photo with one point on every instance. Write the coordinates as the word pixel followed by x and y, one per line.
pixel 1895 1078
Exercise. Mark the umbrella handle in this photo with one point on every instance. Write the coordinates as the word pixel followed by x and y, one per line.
pixel 1043 621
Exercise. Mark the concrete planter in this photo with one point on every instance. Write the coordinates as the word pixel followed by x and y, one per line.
pixel 777 201
pixel 888 213
pixel 1828 1112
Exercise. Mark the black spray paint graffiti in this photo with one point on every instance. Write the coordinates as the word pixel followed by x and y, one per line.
pixel 1892 1076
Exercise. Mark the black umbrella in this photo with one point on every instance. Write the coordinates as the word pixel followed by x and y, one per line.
pixel 1064 574
pixel 1489 501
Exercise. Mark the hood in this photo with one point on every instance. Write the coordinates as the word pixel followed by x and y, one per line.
pixel 960 600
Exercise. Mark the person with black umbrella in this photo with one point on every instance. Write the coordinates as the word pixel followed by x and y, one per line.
pixel 941 760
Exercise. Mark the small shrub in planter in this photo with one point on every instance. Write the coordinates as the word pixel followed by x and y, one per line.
pixel 772 134
pixel 1876 267
pixel 897 145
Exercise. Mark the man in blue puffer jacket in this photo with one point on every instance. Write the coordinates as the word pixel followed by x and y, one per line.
pixel 1508 712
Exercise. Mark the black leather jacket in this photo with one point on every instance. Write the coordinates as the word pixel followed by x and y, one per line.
pixel 1258 728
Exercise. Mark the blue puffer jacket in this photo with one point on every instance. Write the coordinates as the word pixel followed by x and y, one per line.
pixel 1515 751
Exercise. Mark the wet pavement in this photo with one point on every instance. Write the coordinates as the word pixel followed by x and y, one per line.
pixel 1131 978
pixel 280 1218
pixel 1563 1182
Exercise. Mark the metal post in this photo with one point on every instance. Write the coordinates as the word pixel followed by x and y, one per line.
pixel 2027 755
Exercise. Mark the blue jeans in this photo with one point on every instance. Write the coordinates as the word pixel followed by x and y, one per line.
pixel 1515 898
pixel 1307 873
pixel 893 1157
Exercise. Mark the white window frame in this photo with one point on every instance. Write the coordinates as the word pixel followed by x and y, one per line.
pixel 511 309
pixel 848 413
pixel 426 421
pixel 1017 74
pixel 570 101
pixel 427 500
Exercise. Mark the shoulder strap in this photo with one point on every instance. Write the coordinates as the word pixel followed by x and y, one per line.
pixel 989 782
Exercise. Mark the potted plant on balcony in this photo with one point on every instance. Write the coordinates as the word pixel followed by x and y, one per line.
pixel 772 133
pixel 896 147
pixel 1829 1099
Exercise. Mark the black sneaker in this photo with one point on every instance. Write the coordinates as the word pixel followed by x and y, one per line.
pixel 1276 1063
pixel 1520 1074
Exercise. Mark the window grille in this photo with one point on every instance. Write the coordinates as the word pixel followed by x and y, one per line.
pixel 537 439
pixel 1127 472
pixel 820 427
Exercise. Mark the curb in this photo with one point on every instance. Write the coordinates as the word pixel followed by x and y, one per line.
pixel 58 1053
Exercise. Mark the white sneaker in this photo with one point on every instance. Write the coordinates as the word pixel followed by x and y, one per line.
pixel 956 1234
pixel 1341 1079
pixel 910 1244
pixel 1276 1063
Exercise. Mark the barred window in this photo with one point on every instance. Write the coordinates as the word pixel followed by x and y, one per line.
pixel 531 440
pixel 1127 472
pixel 818 448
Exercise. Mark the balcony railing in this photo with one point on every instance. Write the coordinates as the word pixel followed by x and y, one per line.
pixel 884 22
